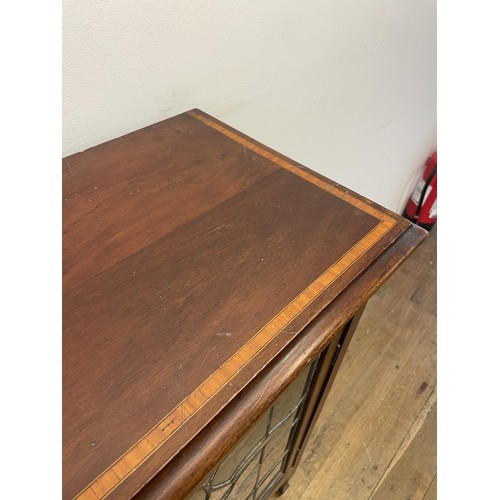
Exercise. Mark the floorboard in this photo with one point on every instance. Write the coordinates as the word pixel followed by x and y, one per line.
pixel 413 468
pixel 431 493
pixel 376 436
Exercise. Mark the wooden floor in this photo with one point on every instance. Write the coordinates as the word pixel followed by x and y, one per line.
pixel 376 437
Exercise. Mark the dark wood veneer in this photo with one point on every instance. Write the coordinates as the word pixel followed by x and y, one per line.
pixel 210 446
pixel 200 270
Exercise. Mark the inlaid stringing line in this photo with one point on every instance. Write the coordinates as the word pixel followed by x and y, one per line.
pixel 143 448
pixel 107 481
pixel 278 160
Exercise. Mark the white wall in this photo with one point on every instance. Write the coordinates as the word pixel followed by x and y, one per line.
pixel 345 87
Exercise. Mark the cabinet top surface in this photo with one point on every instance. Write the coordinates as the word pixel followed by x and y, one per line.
pixel 192 256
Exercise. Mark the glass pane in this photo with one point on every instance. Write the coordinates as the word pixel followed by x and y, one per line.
pixel 242 486
pixel 289 398
pixel 256 462
pixel 276 447
pixel 246 483
pixel 270 475
pixel 244 449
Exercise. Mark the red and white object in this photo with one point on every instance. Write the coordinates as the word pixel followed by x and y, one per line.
pixel 422 205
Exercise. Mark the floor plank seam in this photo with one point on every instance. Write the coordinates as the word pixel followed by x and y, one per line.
pixel 424 411
pixel 429 487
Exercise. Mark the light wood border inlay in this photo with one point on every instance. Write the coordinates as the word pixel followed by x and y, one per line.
pixel 146 446
pixel 282 162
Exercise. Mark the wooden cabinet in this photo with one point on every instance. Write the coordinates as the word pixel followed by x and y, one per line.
pixel 210 289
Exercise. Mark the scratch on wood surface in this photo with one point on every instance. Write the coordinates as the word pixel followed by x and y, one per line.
pixel 175 130
pixel 262 393
pixel 367 453
pixel 245 152
pixel 222 226
pixel 207 354
pixel 219 228
pixel 224 334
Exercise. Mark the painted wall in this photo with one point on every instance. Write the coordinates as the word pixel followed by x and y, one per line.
pixel 345 87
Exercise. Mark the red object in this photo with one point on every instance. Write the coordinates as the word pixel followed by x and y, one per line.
pixel 422 205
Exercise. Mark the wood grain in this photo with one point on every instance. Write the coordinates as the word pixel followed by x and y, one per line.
pixel 201 455
pixel 431 493
pixel 125 194
pixel 166 268
pixel 377 430
pixel 354 200
pixel 413 467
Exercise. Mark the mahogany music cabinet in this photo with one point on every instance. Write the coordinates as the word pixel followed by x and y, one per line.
pixel 210 289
